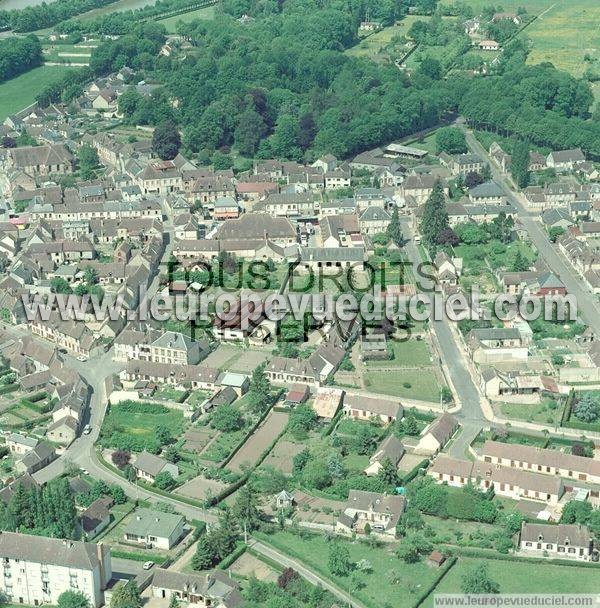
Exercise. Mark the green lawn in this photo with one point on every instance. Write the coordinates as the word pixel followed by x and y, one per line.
pixel 412 353
pixel 519 577
pixel 543 412
pixel 144 424
pixel 19 92
pixel 391 582
pixel 373 44
pixel 410 384
pixel 170 23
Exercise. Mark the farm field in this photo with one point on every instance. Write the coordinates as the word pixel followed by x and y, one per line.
pixel 19 92
pixel 534 7
pixel 170 23
pixel 517 577
pixel 409 579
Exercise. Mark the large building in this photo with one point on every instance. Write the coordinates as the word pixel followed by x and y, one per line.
pixel 564 541
pixel 36 569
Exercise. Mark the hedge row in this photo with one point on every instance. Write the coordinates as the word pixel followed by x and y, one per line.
pixel 233 556
pixel 415 470
pixel 329 429
pixel 8 388
pixel 450 562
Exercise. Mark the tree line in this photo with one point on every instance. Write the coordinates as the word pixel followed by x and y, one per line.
pixel 44 15
pixel 18 55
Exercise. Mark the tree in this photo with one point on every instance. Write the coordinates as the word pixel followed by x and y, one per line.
pixel 435 217
pixel 472 179
pixel 576 512
pixel 259 392
pixel 173 602
pixel 129 102
pixel 88 160
pixel 120 458
pixel 394 230
pixel 166 140
pixel 450 140
pixel 555 232
pixel 163 434
pixel 413 547
pixel 520 263
pixel 288 576
pixel 388 472
pixel 245 508
pixel 477 580
pixel 519 164
pixel 411 426
pixel 60 285
pixel 221 162
pixel 339 559
pixel 431 68
pixel 250 130
pixel 164 481
pixel 205 556
pixel 587 408
pixel 302 419
pixel 227 418
pixel 126 596
pixel 73 599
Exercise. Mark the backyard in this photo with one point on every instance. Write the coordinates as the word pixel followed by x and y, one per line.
pixel 421 384
pixel 519 577
pixel 388 582
pixel 170 23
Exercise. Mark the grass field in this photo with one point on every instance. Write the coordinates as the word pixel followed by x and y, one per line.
pixel 534 7
pixel 170 23
pixel 390 583
pixel 20 92
pixel 410 384
pixel 536 412
pixel 412 353
pixel 372 45
pixel 144 424
pixel 518 577
pixel 566 34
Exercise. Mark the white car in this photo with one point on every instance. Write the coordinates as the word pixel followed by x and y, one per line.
pixel 81 358
pixel 87 429
pixel 148 565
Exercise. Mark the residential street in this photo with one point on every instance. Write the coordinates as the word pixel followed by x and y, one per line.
pixel 587 303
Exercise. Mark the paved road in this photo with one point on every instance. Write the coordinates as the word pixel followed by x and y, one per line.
pixel 470 415
pixel 309 575
pixel 587 303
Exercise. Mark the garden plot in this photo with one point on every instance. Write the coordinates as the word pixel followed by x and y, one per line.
pixel 282 455
pixel 201 488
pixel 224 356
pixel 248 565
pixel 259 441
pixel 249 361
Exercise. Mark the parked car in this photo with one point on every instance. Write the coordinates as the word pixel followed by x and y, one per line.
pixel 87 429
pixel 148 565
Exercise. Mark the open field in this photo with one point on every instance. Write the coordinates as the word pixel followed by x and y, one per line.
pixel 372 45
pixel 409 579
pixel 200 488
pixel 411 353
pixel 19 92
pixel 566 34
pixel 273 424
pixel 534 412
pixel 143 423
pixel 247 565
pixel 534 7
pixel 518 577
pixel 410 384
pixel 170 23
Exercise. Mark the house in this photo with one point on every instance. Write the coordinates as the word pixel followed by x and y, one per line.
pixel 448 269
pixel 565 160
pixel 462 164
pixel 488 45
pixel 380 511
pixel 563 541
pixel 297 394
pixel 488 192
pixel 365 408
pixel 38 569
pixel 20 444
pixel 551 462
pixel 496 384
pixel 374 220
pixel 284 500
pixel 96 517
pixel 390 448
pixel 42 160
pixel 155 529
pixel 36 459
pixel 488 345
pixel 327 402
pixel 507 482
pixel 63 431
pixel 147 466
pixel 215 589
pixel 176 348
pixel 258 226
pixel 437 434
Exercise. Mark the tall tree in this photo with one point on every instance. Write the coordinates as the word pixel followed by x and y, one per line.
pixel 339 559
pixel 73 599
pixel 166 140
pixel 434 220
pixel 245 508
pixel 477 580
pixel 519 164
pixel 394 230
